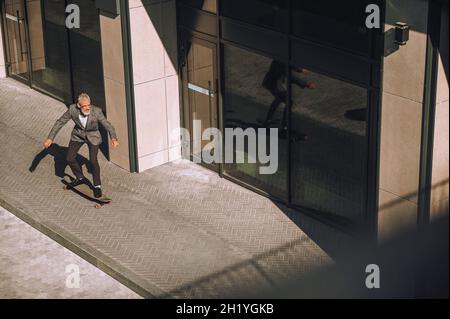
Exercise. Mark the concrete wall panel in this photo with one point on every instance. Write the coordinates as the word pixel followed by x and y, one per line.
pixel 156 89
pixel 113 71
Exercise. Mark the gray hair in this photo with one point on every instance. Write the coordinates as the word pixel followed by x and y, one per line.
pixel 84 96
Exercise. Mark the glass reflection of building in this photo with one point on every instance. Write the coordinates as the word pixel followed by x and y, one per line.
pixel 301 67
pixel 63 62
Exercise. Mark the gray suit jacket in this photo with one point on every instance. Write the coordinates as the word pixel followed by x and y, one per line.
pixel 79 133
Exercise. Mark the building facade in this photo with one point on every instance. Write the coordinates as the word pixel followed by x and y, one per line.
pixel 363 121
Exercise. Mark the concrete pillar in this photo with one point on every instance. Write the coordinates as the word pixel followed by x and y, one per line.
pixel 114 79
pixel 156 87
pixel 2 56
pixel 401 121
pixel 440 171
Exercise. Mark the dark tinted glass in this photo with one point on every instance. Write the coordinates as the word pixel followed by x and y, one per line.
pixel 49 47
pixel 267 13
pixel 16 38
pixel 86 54
pixel 205 5
pixel 329 144
pixel 201 100
pixel 338 23
pixel 255 98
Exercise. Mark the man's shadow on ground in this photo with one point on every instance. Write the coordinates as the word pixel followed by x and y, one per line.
pixel 59 154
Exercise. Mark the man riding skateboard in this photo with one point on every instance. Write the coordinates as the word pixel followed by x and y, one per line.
pixel 86 118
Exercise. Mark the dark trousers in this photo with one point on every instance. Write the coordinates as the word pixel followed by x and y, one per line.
pixel 72 153
pixel 280 98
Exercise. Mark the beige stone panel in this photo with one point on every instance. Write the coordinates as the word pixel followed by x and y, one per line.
pixel 112 49
pixel 173 109
pixel 442 92
pixel 439 192
pixel 113 71
pixel 153 160
pixel 134 3
pixel 442 85
pixel 170 68
pixel 440 174
pixel 400 146
pixel 439 209
pixel 174 153
pixel 147 48
pixel 151 117
pixel 117 115
pixel 395 216
pixel 404 70
pixel 140 3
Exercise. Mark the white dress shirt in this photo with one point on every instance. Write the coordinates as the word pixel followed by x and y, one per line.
pixel 83 120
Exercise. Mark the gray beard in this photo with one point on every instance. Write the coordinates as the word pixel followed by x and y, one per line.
pixel 85 114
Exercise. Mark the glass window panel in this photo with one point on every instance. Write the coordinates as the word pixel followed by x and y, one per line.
pixel 205 5
pixel 254 97
pixel 329 147
pixel 85 44
pixel 202 101
pixel 49 47
pixel 338 23
pixel 267 13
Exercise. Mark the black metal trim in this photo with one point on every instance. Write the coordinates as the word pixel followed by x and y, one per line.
pixel 374 134
pixel 129 87
pixel 428 113
pixel 220 84
pixel 69 49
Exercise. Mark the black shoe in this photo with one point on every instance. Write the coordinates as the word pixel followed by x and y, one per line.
pixel 97 192
pixel 77 182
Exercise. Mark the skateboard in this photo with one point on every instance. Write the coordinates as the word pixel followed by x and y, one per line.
pixel 86 191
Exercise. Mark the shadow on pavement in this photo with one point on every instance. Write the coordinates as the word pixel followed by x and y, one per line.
pixel 59 153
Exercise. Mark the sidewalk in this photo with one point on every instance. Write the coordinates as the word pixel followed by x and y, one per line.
pixel 34 266
pixel 178 230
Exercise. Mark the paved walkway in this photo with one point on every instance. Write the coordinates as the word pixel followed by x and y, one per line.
pixel 34 266
pixel 178 230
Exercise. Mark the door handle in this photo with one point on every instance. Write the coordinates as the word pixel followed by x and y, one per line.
pixel 201 90
pixel 211 95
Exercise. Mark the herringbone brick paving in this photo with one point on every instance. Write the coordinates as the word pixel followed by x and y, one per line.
pixel 34 266
pixel 179 228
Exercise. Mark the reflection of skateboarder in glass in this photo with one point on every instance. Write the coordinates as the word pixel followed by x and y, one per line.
pixel 273 82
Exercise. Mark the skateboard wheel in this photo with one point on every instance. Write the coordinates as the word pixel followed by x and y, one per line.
pixel 98 206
